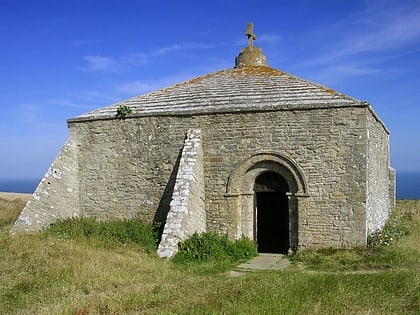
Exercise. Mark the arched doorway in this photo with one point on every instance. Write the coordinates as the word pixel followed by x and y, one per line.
pixel 243 189
pixel 271 213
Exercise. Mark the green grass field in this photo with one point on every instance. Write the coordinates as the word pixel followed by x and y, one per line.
pixel 61 272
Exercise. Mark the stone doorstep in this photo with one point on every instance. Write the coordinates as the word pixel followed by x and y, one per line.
pixel 264 262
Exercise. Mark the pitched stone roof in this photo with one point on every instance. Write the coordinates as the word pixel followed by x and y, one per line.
pixel 248 88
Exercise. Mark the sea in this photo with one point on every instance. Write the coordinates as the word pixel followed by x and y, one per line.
pixel 408 185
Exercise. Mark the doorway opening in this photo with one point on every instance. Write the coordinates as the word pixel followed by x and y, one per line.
pixel 272 231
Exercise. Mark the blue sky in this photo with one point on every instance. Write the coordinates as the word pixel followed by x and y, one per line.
pixel 59 59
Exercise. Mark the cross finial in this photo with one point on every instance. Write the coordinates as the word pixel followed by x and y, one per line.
pixel 250 33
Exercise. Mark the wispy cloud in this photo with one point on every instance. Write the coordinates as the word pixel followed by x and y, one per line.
pixel 97 97
pixel 162 51
pixel 384 29
pixel 139 87
pixel 98 63
pixel 271 39
pixel 354 70
pixel 85 42
pixel 51 113
pixel 28 113
pixel 145 86
pixel 65 103
pixel 364 44
pixel 332 74
pixel 37 116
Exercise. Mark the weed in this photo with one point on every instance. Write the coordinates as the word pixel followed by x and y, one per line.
pixel 84 311
pixel 123 110
pixel 395 227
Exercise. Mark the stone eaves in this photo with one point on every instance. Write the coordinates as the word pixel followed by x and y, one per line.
pixel 250 88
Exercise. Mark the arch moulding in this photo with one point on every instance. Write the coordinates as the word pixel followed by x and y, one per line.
pixel 242 178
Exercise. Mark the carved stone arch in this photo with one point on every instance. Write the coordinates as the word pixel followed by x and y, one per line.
pixel 241 195
pixel 242 178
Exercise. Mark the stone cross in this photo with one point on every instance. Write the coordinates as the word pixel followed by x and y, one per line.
pixel 250 33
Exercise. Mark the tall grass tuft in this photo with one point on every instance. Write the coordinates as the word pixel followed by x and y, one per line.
pixel 126 232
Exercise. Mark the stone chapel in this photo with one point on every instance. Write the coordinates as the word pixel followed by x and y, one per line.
pixel 249 151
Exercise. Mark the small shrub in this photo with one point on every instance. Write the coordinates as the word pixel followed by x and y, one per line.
pixel 123 110
pixel 210 247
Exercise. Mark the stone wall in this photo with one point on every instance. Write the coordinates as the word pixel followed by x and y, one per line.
pixel 127 168
pixel 57 195
pixel 380 176
pixel 327 144
pixel 126 165
pixel 187 208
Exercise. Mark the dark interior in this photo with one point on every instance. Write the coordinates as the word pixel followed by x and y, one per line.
pixel 272 215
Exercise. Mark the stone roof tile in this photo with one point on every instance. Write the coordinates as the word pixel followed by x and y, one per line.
pixel 250 88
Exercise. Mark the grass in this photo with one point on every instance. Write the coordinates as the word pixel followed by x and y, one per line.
pixel 125 233
pixel 402 231
pixel 211 252
pixel 71 271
